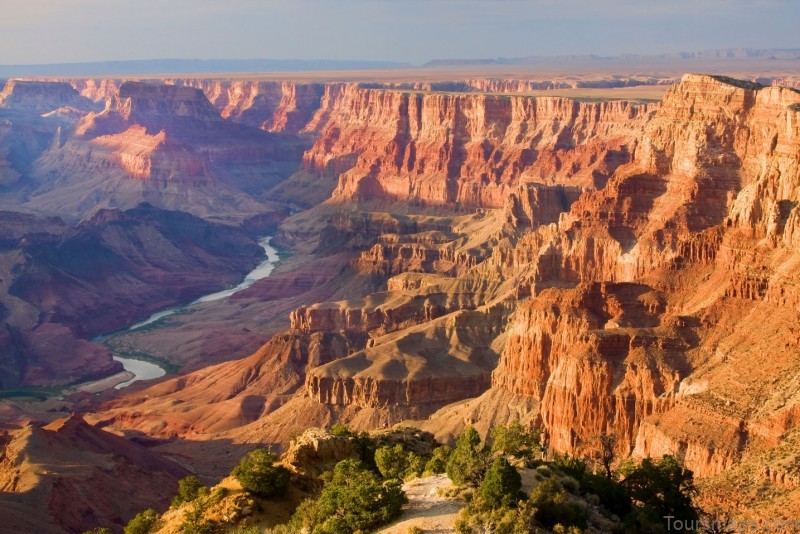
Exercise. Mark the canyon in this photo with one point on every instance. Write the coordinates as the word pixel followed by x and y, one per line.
pixel 453 253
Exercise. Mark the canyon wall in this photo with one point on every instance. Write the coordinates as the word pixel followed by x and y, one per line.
pixel 703 217
pixel 373 142
pixel 470 150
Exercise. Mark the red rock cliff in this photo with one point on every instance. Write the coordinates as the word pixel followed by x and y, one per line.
pixel 704 217
pixel 470 149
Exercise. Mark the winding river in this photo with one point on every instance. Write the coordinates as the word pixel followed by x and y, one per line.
pixel 143 370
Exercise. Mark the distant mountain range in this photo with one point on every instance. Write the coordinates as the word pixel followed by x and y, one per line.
pixel 189 66
pixel 716 54
pixel 143 67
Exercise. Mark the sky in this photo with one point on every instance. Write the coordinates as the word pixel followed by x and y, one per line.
pixel 415 31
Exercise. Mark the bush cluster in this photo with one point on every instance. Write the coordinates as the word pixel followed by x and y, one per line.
pixel 353 499
pixel 258 474
pixel 638 498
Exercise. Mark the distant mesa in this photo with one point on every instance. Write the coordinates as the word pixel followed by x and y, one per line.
pixel 41 97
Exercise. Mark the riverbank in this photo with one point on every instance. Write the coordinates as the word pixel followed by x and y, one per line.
pixel 151 368
pixel 96 386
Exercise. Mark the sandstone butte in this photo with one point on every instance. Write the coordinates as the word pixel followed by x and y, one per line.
pixel 586 267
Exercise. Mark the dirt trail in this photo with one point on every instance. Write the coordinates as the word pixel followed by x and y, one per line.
pixel 426 510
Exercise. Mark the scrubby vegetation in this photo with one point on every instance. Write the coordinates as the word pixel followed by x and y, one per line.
pixel 258 474
pixel 514 440
pixel 469 460
pixel 565 494
pixel 397 462
pixel 507 486
pixel 142 522
pixel 353 499
pixel 501 485
pixel 189 489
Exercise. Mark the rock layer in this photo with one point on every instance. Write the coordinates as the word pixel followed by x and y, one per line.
pixel 467 149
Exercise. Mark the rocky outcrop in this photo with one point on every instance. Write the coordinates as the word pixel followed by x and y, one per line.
pixel 534 205
pixel 316 451
pixel 96 90
pixel 596 358
pixel 390 311
pixel 147 103
pixel 390 257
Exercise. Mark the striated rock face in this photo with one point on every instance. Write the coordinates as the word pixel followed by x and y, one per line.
pixel 272 106
pixel 466 149
pixel 394 256
pixel 422 367
pixel 597 358
pixel 534 205
pixel 701 220
pixel 503 85
pixel 96 90
pixel 166 145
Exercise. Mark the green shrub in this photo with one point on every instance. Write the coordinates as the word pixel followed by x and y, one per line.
pixel 189 488
pixel 514 440
pixel 397 462
pixel 553 506
pixel 661 489
pixel 571 465
pixel 194 521
pixel 612 495
pixel 416 466
pixel 501 485
pixel 438 461
pixel 338 429
pixel 478 518
pixel 544 471
pixel 469 460
pixel 142 522
pixel 353 499
pixel 392 462
pixel 569 484
pixel 258 474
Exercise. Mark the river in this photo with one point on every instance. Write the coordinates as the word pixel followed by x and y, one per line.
pixel 144 370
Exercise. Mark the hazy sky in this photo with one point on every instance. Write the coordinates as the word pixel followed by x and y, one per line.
pixel 54 31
